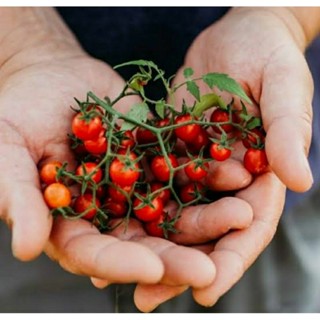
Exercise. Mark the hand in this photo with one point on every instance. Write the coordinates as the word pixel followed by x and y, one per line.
pixel 258 49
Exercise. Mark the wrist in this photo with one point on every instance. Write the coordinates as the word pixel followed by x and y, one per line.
pixel 33 34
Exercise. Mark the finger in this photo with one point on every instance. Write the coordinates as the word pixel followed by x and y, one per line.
pixel 235 252
pixel 203 223
pixel 287 114
pixel 21 202
pixel 81 249
pixel 148 297
pixel 177 271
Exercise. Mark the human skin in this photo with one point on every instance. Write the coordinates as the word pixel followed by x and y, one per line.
pixel 39 80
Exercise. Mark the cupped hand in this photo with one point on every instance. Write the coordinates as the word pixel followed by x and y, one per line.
pixel 263 50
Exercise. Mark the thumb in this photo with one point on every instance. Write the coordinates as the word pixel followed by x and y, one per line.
pixel 21 202
pixel 287 114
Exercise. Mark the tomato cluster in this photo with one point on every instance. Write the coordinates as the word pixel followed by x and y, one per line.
pixel 141 164
pixel 132 173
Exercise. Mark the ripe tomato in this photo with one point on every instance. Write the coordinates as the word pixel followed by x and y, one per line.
pixel 150 211
pixel 201 141
pixel 189 132
pixel 255 161
pixel 251 139
pixel 218 116
pixel 127 140
pixel 196 171
pixel 190 191
pixel 123 171
pixel 153 228
pixel 160 168
pixel 86 129
pixel 57 195
pixel 218 152
pixel 98 145
pixel 84 203
pixel 117 209
pixel 145 136
pixel 164 195
pixel 89 168
pixel 48 172
pixel 117 195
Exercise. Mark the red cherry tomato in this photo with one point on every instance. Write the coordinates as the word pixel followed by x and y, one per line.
pixel 57 195
pixel 160 168
pixel 255 161
pixel 188 132
pixel 117 195
pixel 117 209
pixel 48 172
pixel 123 171
pixel 218 116
pixel 85 202
pixel 190 191
pixel 145 136
pixel 200 142
pixel 196 172
pixel 251 139
pixel 127 140
pixel 164 195
pixel 218 152
pixel 98 145
pixel 89 168
pixel 148 212
pixel 86 129
pixel 153 228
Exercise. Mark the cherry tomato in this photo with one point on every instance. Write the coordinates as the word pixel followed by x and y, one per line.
pixel 251 139
pixel 117 209
pixel 200 142
pixel 148 212
pixel 219 152
pixel 127 140
pixel 190 191
pixel 188 132
pixel 57 195
pixel 160 168
pixel 98 145
pixel 124 172
pixel 88 168
pixel 219 115
pixel 83 203
pixel 153 227
pixel 196 172
pixel 145 136
pixel 164 195
pixel 255 161
pixel 48 172
pixel 86 129
pixel 117 195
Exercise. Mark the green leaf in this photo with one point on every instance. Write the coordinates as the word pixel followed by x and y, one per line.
pixel 138 112
pixel 160 108
pixel 254 123
pixel 224 83
pixel 143 63
pixel 193 88
pixel 187 72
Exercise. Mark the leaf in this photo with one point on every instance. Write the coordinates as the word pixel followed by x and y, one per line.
pixel 206 102
pixel 255 122
pixel 193 88
pixel 138 112
pixel 224 83
pixel 187 72
pixel 143 63
pixel 160 108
